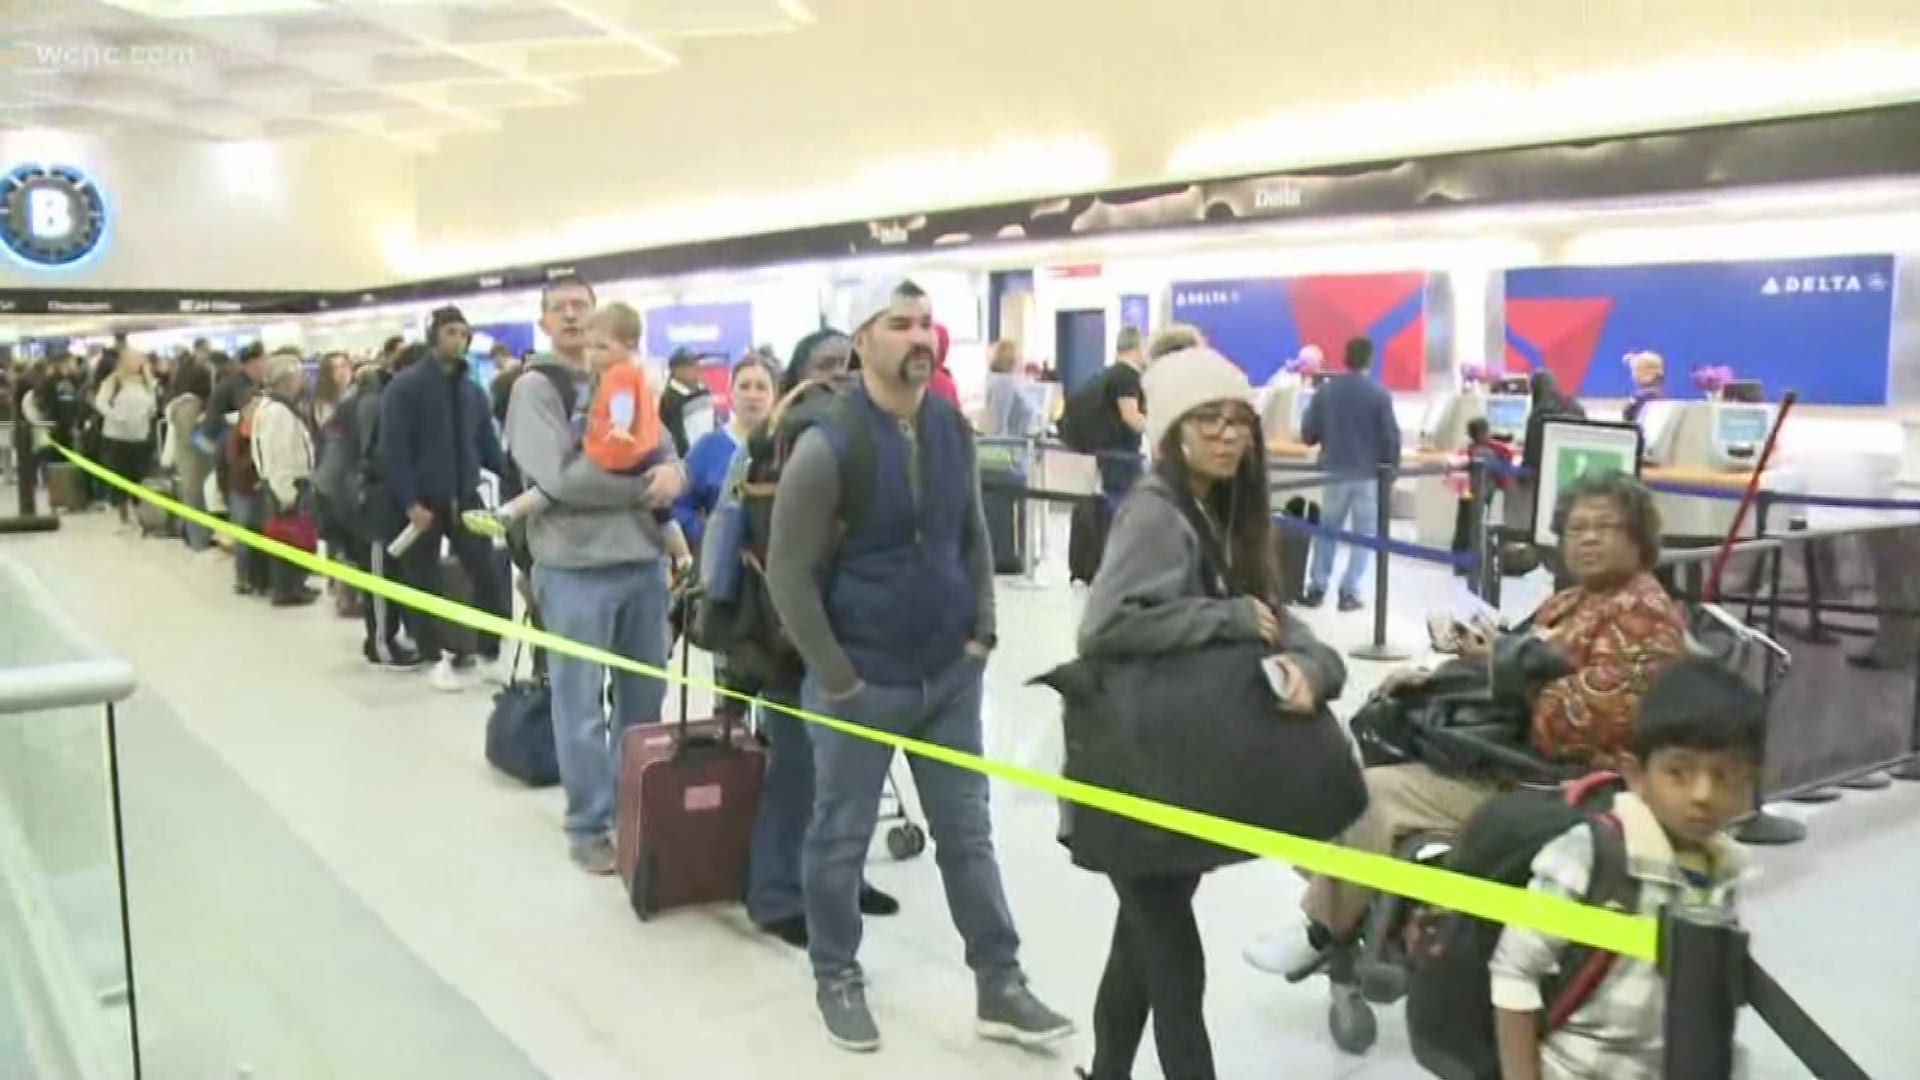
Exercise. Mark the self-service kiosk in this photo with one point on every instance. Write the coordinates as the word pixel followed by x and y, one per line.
pixel 1509 403
pixel 1724 435
pixel 1284 409
pixel 1443 428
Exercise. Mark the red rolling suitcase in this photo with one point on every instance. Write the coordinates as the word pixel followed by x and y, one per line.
pixel 685 805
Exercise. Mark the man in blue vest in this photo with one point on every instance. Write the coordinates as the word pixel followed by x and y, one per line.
pixel 893 614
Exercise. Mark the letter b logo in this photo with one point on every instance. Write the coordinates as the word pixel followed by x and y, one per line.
pixel 49 213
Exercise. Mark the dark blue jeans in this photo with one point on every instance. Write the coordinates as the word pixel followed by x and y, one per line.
pixel 774 892
pixel 852 771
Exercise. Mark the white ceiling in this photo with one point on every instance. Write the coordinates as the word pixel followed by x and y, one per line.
pixel 408 71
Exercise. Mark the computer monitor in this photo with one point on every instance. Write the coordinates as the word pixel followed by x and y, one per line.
pixel 1507 415
pixel 1512 386
pixel 1739 430
pixel 1744 391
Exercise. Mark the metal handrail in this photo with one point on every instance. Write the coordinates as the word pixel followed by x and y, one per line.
pixel 89 675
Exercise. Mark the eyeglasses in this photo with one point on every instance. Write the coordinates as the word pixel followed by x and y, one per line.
pixel 1214 422
pixel 1575 530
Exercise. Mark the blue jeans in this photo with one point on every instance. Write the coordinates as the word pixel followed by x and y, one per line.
pixel 249 565
pixel 1353 505
pixel 1119 471
pixel 850 774
pixel 197 536
pixel 780 830
pixel 622 609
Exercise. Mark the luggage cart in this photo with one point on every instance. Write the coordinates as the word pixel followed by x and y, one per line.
pixel 906 839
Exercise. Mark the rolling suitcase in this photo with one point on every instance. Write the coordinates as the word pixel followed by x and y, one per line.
pixel 1005 512
pixel 1293 547
pixel 67 487
pixel 685 804
pixel 1087 539
pixel 154 521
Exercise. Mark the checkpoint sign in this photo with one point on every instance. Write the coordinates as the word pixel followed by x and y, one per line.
pixel 51 216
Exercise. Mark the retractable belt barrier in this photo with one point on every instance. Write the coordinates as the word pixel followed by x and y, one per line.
pixel 1635 936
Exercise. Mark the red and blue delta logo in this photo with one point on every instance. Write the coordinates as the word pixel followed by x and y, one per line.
pixel 51 216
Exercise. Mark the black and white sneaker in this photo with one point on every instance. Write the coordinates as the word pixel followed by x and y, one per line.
pixel 396 659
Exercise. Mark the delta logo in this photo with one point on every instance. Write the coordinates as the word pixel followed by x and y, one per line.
pixel 1804 284
pixel 1196 298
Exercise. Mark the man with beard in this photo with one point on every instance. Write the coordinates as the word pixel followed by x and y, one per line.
pixel 894 617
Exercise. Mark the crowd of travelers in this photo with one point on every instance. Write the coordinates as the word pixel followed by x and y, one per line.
pixel 589 496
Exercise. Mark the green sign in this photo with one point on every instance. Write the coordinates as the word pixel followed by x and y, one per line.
pixel 1576 462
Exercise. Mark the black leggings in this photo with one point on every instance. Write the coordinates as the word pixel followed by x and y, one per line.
pixel 1155 967
pixel 131 460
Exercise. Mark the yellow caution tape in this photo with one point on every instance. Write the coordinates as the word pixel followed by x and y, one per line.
pixel 1634 936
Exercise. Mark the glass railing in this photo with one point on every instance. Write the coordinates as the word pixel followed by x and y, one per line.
pixel 66 1004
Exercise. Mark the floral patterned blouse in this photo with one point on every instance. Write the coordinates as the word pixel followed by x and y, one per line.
pixel 1617 641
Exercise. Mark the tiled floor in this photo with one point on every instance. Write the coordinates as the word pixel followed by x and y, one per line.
pixel 329 882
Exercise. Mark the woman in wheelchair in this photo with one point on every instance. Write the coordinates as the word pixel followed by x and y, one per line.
pixel 1610 632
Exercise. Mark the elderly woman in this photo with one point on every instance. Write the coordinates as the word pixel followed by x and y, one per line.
pixel 1615 628
pixel 283 454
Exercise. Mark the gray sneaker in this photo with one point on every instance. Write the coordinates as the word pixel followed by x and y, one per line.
pixel 1014 1015
pixel 850 1026
pixel 594 855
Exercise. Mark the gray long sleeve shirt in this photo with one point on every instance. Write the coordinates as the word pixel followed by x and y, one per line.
pixel 806 512
pixel 1148 597
pixel 597 518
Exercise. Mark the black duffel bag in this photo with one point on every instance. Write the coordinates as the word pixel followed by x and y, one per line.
pixel 520 731
pixel 1199 729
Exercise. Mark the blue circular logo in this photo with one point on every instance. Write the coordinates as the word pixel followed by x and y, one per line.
pixel 51 216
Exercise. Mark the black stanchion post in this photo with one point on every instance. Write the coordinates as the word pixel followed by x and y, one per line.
pixel 1703 956
pixel 1478 483
pixel 1910 772
pixel 1378 649
pixel 26 471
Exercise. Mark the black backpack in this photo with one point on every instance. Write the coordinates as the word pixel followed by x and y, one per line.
pixel 746 628
pixel 1450 1017
pixel 1087 421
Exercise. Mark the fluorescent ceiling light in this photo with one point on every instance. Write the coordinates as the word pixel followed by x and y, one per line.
pixel 1687 92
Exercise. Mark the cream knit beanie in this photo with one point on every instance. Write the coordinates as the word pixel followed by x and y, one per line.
pixel 1181 382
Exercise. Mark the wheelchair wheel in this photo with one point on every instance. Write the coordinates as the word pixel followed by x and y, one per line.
pixel 906 840
pixel 1351 1021
pixel 1383 983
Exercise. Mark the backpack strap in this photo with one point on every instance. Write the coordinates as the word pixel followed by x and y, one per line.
pixel 1611 885
pixel 856 464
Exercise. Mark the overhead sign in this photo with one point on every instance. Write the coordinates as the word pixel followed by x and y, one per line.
pixel 51 216
pixel 724 330
pixel 1820 326
pixel 1261 323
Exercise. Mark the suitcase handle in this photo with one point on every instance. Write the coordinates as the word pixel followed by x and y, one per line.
pixel 683 605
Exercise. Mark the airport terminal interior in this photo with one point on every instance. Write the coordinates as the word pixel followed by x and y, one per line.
pixel 262 818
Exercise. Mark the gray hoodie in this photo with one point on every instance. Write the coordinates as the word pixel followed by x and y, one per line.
pixel 597 518
pixel 1148 597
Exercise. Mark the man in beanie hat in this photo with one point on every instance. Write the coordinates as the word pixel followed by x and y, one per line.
pixel 436 434
pixel 893 614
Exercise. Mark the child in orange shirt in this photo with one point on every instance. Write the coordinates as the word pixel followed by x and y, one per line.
pixel 623 432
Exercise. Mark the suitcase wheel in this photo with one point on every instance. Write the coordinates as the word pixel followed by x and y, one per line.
pixel 644 904
pixel 906 840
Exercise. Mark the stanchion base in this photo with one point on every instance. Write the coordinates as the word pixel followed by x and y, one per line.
pixel 1379 653
pixel 1909 772
pixel 1873 781
pixel 1769 830
pixel 38 523
pixel 1815 796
